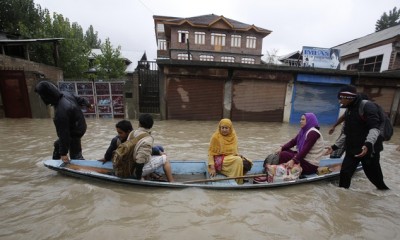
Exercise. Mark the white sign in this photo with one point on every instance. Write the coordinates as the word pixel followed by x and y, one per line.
pixel 321 57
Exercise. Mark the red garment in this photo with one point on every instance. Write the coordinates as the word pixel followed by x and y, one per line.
pixel 218 161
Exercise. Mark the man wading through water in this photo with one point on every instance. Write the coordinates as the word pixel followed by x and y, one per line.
pixel 361 139
pixel 68 119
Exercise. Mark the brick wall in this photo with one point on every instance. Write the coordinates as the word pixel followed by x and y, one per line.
pixel 34 72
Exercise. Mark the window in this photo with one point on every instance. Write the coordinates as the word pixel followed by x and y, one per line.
pixel 218 39
pixel 200 38
pixel 184 56
pixel 248 60
pixel 235 40
pixel 352 67
pixel 371 64
pixel 227 59
pixel 251 42
pixel 183 36
pixel 160 27
pixel 162 44
pixel 206 58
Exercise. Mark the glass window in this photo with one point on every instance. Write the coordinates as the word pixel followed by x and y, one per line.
pixel 162 44
pixel 371 64
pixel 160 27
pixel 251 42
pixel 218 39
pixel 227 59
pixel 235 40
pixel 183 36
pixel 248 60
pixel 200 38
pixel 184 56
pixel 206 58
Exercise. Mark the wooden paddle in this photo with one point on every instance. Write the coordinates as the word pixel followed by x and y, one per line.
pixel 87 168
pixel 224 179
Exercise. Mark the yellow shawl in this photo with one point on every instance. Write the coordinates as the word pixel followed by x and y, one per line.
pixel 223 145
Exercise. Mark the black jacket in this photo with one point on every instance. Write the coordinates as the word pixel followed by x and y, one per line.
pixel 68 117
pixel 358 128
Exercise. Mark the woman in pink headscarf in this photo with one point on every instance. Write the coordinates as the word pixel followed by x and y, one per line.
pixel 309 144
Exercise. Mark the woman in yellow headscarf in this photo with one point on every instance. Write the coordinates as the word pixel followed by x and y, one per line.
pixel 223 156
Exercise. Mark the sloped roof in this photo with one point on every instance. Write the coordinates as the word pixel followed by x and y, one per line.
pixel 353 46
pixel 292 55
pixel 206 21
pixel 7 41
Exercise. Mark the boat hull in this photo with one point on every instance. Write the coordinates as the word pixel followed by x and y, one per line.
pixel 183 171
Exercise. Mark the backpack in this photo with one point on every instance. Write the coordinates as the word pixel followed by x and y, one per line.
pixel 386 128
pixel 123 160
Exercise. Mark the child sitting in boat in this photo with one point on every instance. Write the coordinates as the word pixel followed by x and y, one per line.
pixel 223 156
pixel 158 158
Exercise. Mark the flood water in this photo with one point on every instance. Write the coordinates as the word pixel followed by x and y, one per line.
pixel 38 203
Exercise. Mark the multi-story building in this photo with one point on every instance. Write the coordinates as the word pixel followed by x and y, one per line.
pixel 376 52
pixel 208 38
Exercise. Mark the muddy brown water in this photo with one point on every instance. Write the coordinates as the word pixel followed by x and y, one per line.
pixel 38 203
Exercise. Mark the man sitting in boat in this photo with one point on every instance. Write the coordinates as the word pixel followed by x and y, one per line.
pixel 158 158
pixel 310 146
pixel 223 156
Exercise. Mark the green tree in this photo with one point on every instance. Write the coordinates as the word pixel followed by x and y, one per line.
pixel 73 49
pixel 110 64
pixel 24 19
pixel 91 38
pixel 19 14
pixel 388 20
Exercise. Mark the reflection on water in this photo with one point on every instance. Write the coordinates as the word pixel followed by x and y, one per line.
pixel 38 203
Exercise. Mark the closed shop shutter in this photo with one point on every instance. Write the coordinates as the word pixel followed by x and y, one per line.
pixel 316 98
pixel 382 96
pixel 261 101
pixel 195 99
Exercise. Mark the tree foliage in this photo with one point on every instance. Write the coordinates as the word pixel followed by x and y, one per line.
pixel 110 64
pixel 22 18
pixel 19 14
pixel 92 38
pixel 388 20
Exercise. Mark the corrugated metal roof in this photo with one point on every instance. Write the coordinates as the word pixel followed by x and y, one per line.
pixel 353 46
pixel 23 41
pixel 290 55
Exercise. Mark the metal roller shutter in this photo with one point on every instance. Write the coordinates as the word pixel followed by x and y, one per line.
pixel 255 100
pixel 195 99
pixel 316 98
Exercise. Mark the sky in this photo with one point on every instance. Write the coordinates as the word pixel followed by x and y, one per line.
pixel 294 23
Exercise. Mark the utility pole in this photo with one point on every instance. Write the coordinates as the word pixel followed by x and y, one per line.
pixel 188 49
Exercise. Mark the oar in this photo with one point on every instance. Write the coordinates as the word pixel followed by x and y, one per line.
pixel 93 169
pixel 224 179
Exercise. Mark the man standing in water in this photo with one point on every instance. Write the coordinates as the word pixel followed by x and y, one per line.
pixel 68 119
pixel 361 139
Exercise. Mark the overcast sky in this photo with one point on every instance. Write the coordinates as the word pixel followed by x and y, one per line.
pixel 294 23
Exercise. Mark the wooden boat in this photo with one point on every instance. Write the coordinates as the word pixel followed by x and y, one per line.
pixel 188 174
